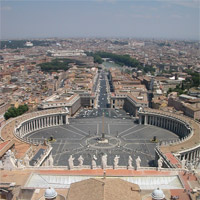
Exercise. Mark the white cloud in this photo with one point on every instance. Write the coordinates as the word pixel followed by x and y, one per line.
pixel 5 8
pixel 184 3
pixel 139 16
pixel 175 16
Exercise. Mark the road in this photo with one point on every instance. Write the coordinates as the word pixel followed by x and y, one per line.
pixel 102 99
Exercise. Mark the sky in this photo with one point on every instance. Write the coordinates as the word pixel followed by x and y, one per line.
pixel 158 19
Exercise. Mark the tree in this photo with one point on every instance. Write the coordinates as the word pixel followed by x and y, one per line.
pixel 14 112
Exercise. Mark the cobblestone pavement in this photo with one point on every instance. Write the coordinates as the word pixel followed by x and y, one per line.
pixel 125 137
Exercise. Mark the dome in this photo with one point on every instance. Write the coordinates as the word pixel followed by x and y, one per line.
pixel 158 194
pixel 50 193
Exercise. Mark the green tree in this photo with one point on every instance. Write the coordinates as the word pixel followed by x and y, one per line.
pixel 14 112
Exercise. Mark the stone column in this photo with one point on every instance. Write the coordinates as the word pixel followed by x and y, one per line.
pixel 192 155
pixel 195 154
pixel 145 119
pixel 140 119
pixel 22 129
pixel 151 120
pixel 158 123
pixel 26 128
pixel 51 120
pixel 56 120
pixel 170 125
pixel 39 123
pixel 30 126
pixel 66 119
pixel 42 122
pixel 61 119
pixel 47 121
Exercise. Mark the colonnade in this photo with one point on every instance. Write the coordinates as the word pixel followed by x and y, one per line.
pixel 40 122
pixel 172 124
pixel 190 156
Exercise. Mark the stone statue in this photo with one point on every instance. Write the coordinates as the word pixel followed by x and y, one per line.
pixel 19 164
pixel 50 161
pixel 26 160
pixel 130 160
pixel 1 164
pixel 9 153
pixel 197 163
pixel 80 159
pixel 190 166
pixel 116 161
pixel 140 109
pixel 94 163
pixel 160 163
pixel 71 162
pixel 138 161
pixel 9 161
pixel 104 161
pixel 183 163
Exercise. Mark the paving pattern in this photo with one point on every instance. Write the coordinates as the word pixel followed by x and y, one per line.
pixel 125 137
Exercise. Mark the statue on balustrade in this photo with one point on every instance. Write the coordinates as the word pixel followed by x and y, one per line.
pixel 138 162
pixel 94 163
pixel 9 161
pixel 140 109
pixel 80 159
pixel 116 161
pixel 19 164
pixel 130 161
pixel 71 162
pixel 26 160
pixel 50 161
pixel 183 163
pixel 160 163
pixel 104 161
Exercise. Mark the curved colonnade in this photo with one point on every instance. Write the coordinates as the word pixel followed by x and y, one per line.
pixel 43 120
pixel 187 147
pixel 30 122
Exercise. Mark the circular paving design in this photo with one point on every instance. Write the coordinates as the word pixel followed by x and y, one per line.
pixel 81 137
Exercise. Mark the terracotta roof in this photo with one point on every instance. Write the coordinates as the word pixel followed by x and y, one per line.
pixel 5 146
pixel 173 159
pixel 2 145
pixel 104 189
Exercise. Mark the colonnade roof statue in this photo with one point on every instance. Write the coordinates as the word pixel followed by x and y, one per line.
pixel 104 162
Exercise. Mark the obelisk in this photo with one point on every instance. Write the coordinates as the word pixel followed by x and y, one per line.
pixel 103 139
pixel 103 133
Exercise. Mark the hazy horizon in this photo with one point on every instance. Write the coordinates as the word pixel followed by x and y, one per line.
pixel 160 19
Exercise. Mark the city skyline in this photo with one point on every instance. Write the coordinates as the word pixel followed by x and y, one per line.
pixel 96 18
